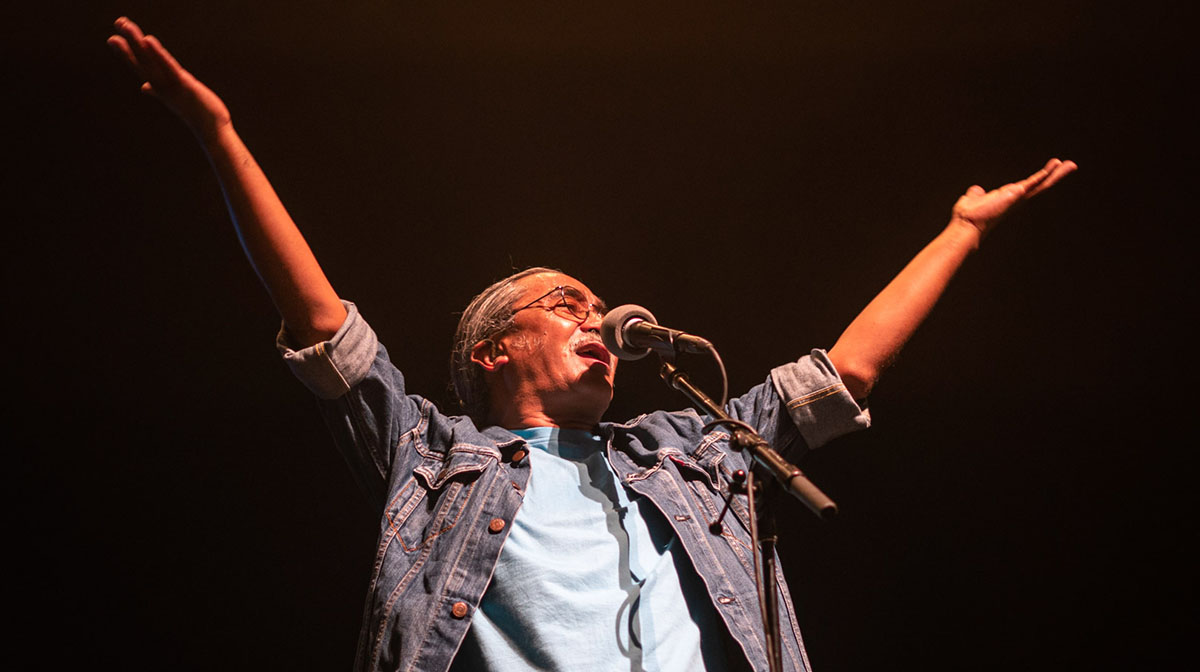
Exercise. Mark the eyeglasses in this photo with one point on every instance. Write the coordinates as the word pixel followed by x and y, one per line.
pixel 569 302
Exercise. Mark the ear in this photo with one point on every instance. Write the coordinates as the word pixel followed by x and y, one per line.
pixel 489 355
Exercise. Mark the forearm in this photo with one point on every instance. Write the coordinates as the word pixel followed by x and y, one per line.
pixel 272 242
pixel 876 336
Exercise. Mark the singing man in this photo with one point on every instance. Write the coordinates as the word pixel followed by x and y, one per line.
pixel 525 533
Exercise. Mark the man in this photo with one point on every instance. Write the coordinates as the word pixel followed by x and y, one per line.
pixel 527 533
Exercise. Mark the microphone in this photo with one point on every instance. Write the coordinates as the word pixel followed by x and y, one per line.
pixel 630 332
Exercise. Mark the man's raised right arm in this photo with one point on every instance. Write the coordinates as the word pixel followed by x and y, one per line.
pixel 278 252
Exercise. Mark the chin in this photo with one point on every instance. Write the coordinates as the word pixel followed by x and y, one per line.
pixel 599 393
pixel 593 400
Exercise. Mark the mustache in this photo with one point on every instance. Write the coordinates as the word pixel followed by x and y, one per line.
pixel 589 338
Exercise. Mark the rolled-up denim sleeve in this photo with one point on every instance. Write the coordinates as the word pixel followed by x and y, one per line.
pixel 817 400
pixel 330 368
pixel 362 399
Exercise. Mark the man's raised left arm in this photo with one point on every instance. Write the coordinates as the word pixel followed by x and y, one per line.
pixel 875 337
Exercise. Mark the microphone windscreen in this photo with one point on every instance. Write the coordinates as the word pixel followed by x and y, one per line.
pixel 612 330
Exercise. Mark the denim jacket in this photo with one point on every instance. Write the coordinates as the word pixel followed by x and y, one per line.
pixel 447 491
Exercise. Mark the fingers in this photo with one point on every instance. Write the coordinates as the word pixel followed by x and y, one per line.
pixel 121 48
pixel 130 31
pixel 127 43
pixel 1029 185
pixel 161 53
pixel 145 54
pixel 1052 172
pixel 127 27
pixel 1060 170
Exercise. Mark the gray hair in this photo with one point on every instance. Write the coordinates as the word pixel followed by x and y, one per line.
pixel 489 313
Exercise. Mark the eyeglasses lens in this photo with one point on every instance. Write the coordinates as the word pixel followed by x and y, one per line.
pixel 575 302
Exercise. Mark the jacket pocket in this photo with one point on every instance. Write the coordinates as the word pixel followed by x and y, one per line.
pixel 432 502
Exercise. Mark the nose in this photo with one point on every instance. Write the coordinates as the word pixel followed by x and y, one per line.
pixel 592 321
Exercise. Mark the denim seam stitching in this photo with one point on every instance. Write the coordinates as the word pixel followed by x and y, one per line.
pixel 386 614
pixel 790 610
pixel 663 455
pixel 815 396
pixel 442 516
pixel 446 589
pixel 397 521
pixel 727 583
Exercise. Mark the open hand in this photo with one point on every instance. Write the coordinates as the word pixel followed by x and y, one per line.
pixel 165 79
pixel 982 209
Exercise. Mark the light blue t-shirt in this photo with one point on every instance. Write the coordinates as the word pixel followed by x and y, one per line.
pixel 589 579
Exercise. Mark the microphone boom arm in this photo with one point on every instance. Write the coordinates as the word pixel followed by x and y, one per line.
pixel 746 439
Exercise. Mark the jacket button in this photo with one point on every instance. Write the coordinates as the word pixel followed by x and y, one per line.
pixel 459 609
pixel 518 455
pixel 496 525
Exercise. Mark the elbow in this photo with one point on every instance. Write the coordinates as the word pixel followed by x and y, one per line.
pixel 324 328
pixel 858 378
pixel 304 337
pixel 859 387
pixel 316 327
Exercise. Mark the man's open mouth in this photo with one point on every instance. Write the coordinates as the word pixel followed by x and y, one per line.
pixel 595 351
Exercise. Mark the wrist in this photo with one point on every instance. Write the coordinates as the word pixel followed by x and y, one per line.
pixel 963 232
pixel 216 136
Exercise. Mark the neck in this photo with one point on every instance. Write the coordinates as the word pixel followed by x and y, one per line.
pixel 532 413
pixel 526 420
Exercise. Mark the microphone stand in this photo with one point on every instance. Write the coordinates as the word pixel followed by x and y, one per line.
pixel 744 438
pixel 762 529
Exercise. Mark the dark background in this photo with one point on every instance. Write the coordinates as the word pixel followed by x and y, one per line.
pixel 753 172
